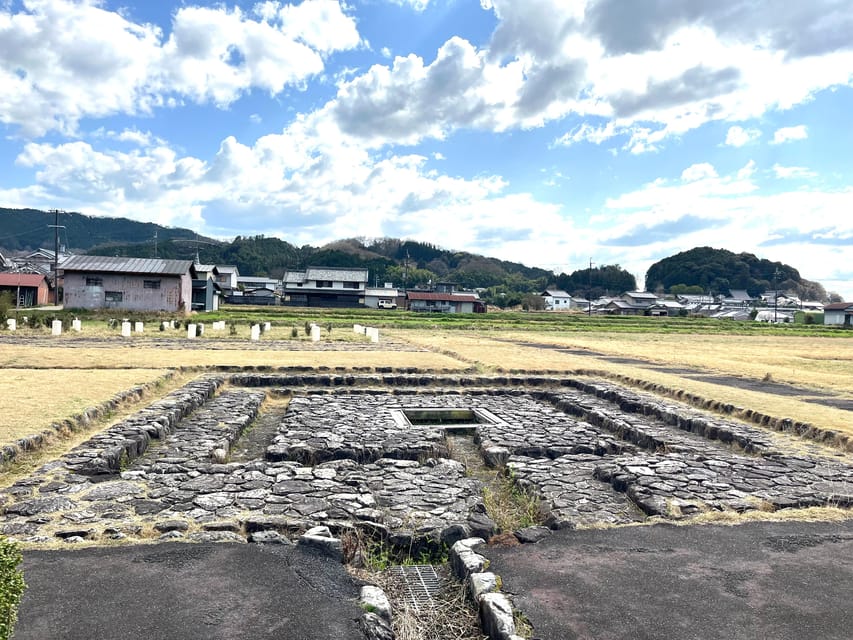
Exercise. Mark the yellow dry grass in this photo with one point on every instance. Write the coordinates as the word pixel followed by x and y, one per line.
pixel 819 363
pixel 130 356
pixel 816 362
pixel 32 399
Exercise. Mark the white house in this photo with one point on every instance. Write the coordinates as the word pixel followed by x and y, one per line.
pixel 556 300
pixel 838 313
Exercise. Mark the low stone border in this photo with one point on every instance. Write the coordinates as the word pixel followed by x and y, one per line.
pixel 106 452
pixel 495 609
pixel 785 425
pixel 36 441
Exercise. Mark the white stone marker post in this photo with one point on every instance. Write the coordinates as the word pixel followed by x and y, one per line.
pixel 255 333
pixel 315 333
pixel 357 328
pixel 267 326
pixel 12 324
pixel 125 329
pixel 138 327
pixel 76 325
pixel 191 331
pixel 373 334
pixel 56 328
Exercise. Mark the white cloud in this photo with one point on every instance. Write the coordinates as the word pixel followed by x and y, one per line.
pixel 698 172
pixel 644 76
pixel 787 134
pixel 786 173
pixel 417 5
pixel 61 61
pixel 738 136
pixel 729 211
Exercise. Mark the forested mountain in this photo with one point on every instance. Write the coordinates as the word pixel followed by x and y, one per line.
pixel 401 262
pixel 24 230
pixel 718 271
pixel 606 280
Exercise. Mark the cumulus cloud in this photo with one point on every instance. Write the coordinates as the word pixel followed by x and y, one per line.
pixel 737 136
pixel 731 211
pixel 644 73
pixel 64 60
pixel 788 134
pixel 412 100
pixel 698 172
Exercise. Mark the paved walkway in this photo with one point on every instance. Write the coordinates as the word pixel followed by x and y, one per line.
pixel 191 592
pixel 785 581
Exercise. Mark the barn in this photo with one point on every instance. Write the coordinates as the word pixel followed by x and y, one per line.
pixel 134 284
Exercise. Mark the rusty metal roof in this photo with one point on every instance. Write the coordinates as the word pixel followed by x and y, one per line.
pixel 10 279
pixel 107 264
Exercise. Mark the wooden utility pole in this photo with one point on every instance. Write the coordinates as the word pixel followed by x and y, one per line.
pixel 589 292
pixel 56 228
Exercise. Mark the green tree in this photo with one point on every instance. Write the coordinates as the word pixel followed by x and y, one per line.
pixel 12 587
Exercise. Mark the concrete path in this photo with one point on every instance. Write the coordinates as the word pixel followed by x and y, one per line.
pixel 785 581
pixel 187 592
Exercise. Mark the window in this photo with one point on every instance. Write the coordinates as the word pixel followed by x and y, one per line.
pixel 350 285
pixel 150 284
pixel 324 284
pixel 94 282
pixel 113 296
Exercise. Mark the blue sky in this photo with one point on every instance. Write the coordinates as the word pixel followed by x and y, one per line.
pixel 548 132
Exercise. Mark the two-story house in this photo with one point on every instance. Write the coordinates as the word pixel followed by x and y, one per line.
pixel 325 287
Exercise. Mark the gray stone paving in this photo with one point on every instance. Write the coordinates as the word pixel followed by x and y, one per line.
pixel 593 452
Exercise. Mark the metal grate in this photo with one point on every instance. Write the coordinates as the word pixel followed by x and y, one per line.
pixel 422 584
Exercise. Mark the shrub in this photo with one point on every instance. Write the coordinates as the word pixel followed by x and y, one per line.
pixel 232 329
pixel 5 305
pixel 294 332
pixel 307 328
pixel 11 587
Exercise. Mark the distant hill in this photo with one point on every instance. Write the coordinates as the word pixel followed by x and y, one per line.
pixel 718 271
pixel 28 229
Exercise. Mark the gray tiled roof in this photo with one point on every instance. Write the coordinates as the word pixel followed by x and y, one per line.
pixel 336 274
pixel 108 264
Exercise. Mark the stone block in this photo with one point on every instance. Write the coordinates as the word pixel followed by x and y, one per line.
pixel 373 599
pixel 191 331
pixel 315 333
pixel 12 324
pixel 464 561
pixel 138 327
pixel 321 539
pixel 255 333
pixel 496 619
pixel 76 325
pixel 480 584
pixel 56 328
pixel 125 329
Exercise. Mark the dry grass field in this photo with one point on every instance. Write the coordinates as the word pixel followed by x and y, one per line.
pixel 816 365
pixel 130 355
pixel 32 399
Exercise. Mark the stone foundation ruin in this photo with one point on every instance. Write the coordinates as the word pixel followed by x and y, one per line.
pixel 367 451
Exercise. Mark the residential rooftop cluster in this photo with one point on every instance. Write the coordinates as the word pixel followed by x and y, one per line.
pixel 155 284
